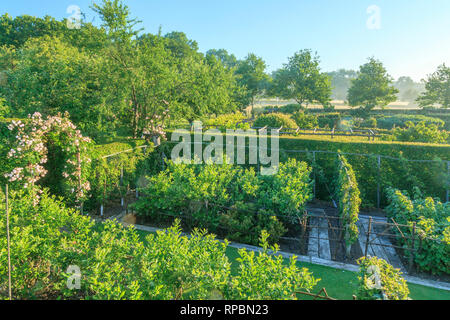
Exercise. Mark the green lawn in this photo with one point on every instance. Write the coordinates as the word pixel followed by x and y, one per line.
pixel 342 284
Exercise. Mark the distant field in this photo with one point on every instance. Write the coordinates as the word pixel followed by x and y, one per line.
pixel 339 104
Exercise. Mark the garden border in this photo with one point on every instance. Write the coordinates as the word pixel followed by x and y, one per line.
pixel 308 259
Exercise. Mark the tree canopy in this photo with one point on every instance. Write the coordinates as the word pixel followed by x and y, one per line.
pixel 113 79
pixel 437 88
pixel 252 76
pixel 301 79
pixel 373 87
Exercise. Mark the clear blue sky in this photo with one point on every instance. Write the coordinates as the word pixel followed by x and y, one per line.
pixel 413 38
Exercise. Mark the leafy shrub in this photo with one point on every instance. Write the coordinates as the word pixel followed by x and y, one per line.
pixel 275 120
pixel 47 238
pixel 432 219
pixel 400 120
pixel 421 132
pixel 252 281
pixel 105 173
pixel 290 108
pixel 241 218
pixel 228 197
pixel 378 280
pixel 229 121
pixel 348 194
pixel 369 123
pixel 305 121
pixel 328 120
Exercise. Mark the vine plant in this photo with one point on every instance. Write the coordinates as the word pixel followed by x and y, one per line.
pixel 349 201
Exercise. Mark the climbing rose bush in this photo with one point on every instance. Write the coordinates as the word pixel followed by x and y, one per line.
pixel 29 152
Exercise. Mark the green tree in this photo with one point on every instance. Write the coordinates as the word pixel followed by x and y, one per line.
pixel 372 88
pixel 301 79
pixel 15 32
pixel 58 77
pixel 251 75
pixel 437 88
pixel 228 60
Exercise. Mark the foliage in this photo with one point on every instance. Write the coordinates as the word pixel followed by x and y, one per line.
pixel 225 198
pixel 59 78
pixel 437 88
pixel 400 120
pixel 59 172
pixel 328 120
pixel 229 121
pixel 127 84
pixel 29 154
pixel 348 195
pixel 290 108
pixel 47 238
pixel 275 121
pixel 372 87
pixel 112 177
pixel 228 60
pixel 15 32
pixel 421 132
pixel 251 75
pixel 370 123
pixel 305 120
pixel 252 282
pixel 378 280
pixel 432 220
pixel 301 79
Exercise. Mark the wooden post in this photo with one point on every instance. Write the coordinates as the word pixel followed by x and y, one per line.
pixel 314 172
pixel 80 186
pixel 368 237
pixel 104 198
pixel 121 186
pixel 304 224
pixel 8 244
pixel 379 183
pixel 411 256
pixel 448 173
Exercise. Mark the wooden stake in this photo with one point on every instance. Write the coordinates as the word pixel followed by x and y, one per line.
pixel 378 183
pixel 314 171
pixel 8 244
pixel 368 237
pixel 411 256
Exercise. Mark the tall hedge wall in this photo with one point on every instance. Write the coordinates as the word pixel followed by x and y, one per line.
pixel 431 177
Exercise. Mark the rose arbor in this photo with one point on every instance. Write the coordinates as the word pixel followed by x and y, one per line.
pixel 29 152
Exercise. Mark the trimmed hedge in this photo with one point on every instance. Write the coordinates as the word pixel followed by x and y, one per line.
pixel 431 177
